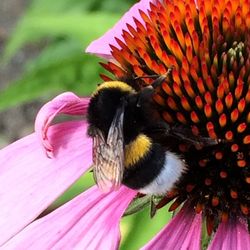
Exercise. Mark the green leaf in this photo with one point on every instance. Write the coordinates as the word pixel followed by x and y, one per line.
pixel 67 26
pixel 205 237
pixel 60 67
pixel 139 228
pixel 137 205
pixel 80 27
pixel 48 6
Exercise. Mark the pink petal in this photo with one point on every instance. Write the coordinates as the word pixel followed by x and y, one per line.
pixel 30 181
pixel 66 103
pixel 101 47
pixel 232 235
pixel 89 221
pixel 182 232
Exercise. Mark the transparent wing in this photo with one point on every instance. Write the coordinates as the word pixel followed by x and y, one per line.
pixel 108 156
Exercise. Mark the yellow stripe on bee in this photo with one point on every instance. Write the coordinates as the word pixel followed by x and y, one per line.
pixel 114 84
pixel 136 150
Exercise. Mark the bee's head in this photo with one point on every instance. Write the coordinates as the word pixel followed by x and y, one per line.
pixel 104 103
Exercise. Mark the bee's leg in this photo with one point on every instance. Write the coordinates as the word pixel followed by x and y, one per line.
pixel 186 134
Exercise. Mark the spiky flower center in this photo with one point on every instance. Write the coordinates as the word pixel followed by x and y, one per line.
pixel 208 91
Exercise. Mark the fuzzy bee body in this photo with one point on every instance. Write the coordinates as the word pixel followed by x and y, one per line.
pixel 156 171
pixel 122 123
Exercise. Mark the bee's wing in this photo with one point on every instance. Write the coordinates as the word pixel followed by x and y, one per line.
pixel 108 156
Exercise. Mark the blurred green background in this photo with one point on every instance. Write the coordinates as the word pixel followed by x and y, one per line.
pixel 42 56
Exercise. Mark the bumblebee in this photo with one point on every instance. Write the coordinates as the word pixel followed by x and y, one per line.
pixel 130 140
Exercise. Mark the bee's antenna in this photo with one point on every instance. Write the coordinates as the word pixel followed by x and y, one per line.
pixel 161 78
pixel 149 76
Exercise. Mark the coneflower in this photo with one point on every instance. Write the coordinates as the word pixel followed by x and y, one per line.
pixel 207 46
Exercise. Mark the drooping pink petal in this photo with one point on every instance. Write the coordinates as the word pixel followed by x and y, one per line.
pixel 66 103
pixel 231 235
pixel 89 221
pixel 30 181
pixel 101 47
pixel 182 232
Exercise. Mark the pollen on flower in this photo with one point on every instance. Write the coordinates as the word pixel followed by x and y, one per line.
pixel 208 90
